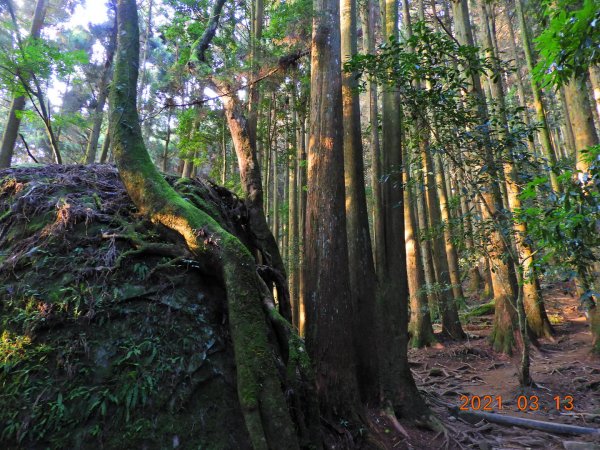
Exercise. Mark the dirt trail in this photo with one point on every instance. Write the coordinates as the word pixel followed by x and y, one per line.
pixel 561 369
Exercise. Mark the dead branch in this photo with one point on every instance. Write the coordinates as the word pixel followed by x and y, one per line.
pixel 27 148
pixel 548 427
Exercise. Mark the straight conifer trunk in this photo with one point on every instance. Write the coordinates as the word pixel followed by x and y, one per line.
pixel 293 237
pixel 544 130
pixel 397 385
pixel 451 326
pixel 491 202
pixel 362 271
pixel 326 276
pixel 531 297
pixel 582 120
pixel 369 22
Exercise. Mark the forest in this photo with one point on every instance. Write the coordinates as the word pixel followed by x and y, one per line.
pixel 300 224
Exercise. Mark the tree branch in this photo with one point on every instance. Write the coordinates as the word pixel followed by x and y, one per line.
pixel 210 31
pixel 27 148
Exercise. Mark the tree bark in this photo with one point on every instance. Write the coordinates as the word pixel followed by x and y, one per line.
pixel 570 136
pixel 420 329
pixel 258 11
pixel 11 130
pixel 433 297
pixel 397 384
pixel 105 146
pixel 259 389
pixel 90 154
pixel 369 23
pixel 363 282
pixel 451 252
pixel 326 275
pixel 188 164
pixel 275 194
pixel 531 297
pixel 245 149
pixel 144 59
pixel 491 203
pixel 302 176
pixel 451 326
pixel 594 74
pixel 582 121
pixel 544 131
pixel 293 236
pixel 515 55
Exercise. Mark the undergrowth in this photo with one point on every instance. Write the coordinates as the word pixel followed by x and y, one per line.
pixel 111 334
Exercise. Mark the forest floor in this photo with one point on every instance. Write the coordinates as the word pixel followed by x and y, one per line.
pixel 560 368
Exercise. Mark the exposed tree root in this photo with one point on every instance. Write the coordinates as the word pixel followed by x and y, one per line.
pixel 259 389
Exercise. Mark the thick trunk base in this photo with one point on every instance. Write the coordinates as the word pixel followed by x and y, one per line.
pixel 502 338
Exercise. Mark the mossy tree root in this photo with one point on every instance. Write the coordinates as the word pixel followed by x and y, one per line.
pixel 272 276
pixel 300 378
pixel 259 389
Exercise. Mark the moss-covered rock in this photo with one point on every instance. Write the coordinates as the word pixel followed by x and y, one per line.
pixel 111 334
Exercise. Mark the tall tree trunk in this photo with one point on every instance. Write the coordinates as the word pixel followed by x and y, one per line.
pixel 531 297
pixel 363 282
pixel 275 195
pixel 293 239
pixel 286 189
pixel 451 252
pixel 445 258
pixel 475 278
pixel 90 154
pixel 145 51
pixel 419 309
pixel 326 276
pixel 515 56
pixel 504 297
pixel 266 161
pixel 11 130
pixel 302 176
pixel 188 165
pixel 245 149
pixel 433 296
pixel 570 136
pixel 105 146
pixel 450 321
pixel 594 74
pixel 397 385
pixel 259 389
pixel 369 24
pixel 258 11
pixel 44 111
pixel 582 121
pixel 544 130
pixel 419 327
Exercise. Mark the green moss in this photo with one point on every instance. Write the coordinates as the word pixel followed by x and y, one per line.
pixel 419 340
pixel 480 310
pixel 502 339
pixel 88 361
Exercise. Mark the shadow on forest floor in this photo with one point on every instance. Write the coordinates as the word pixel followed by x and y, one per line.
pixel 560 368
